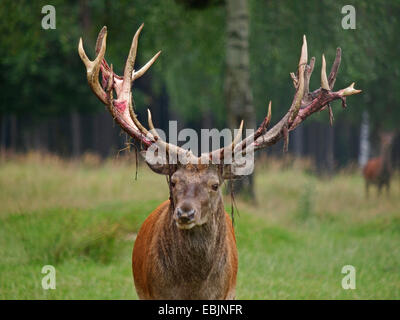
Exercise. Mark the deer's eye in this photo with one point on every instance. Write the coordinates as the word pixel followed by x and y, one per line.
pixel 215 186
pixel 173 183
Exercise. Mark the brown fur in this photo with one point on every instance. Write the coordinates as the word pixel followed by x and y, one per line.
pixel 378 170
pixel 197 263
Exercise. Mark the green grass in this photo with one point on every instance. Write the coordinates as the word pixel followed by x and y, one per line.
pixel 82 218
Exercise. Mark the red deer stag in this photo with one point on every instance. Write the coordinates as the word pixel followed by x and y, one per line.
pixel 186 248
pixel 378 170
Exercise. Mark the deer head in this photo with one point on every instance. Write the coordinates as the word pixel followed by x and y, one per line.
pixel 195 181
pixel 386 138
pixel 196 194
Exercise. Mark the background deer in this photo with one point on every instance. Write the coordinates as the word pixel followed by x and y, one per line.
pixel 378 170
pixel 186 248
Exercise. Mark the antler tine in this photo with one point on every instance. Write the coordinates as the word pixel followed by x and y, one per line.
pixel 312 103
pixel 109 91
pixel 260 131
pixel 304 52
pixel 130 61
pixel 150 122
pixel 335 68
pixel 129 72
pixel 300 88
pixel 142 70
pixel 238 135
pixel 307 75
pixel 126 93
pixel 130 75
pixel 93 67
pixel 269 115
pixel 152 129
pixel 324 79
pixel 99 41
pixel 84 57
pixel 349 91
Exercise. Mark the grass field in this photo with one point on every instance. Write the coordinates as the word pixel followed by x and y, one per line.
pixel 82 218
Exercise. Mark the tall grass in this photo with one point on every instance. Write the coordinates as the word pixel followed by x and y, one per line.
pixel 82 217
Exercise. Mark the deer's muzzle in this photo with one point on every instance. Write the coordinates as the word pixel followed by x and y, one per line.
pixel 185 217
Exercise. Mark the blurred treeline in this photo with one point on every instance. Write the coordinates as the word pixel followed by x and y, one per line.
pixel 46 103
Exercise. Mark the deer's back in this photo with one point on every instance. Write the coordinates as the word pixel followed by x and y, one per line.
pixel 373 169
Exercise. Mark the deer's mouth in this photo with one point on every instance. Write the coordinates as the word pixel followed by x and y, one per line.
pixel 185 225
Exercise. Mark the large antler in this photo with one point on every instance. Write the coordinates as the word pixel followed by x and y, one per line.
pixel 121 108
pixel 304 104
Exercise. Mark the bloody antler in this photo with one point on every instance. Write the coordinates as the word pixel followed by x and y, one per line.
pixel 121 107
pixel 304 104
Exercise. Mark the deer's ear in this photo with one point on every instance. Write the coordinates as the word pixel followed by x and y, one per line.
pixel 162 168
pixel 165 169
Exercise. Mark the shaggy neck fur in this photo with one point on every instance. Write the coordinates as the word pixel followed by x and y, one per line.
pixel 191 256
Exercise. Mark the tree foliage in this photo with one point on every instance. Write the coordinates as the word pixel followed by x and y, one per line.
pixel 43 75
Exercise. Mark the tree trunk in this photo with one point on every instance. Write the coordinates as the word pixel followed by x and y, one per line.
pixel 238 94
pixel 364 140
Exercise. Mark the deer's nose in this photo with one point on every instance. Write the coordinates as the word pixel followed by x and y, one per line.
pixel 185 215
